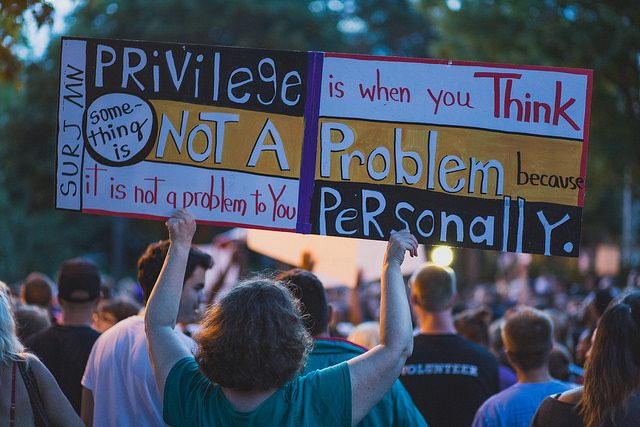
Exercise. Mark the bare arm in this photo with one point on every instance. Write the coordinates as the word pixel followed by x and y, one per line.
pixel 355 304
pixel 86 408
pixel 59 410
pixel 165 347
pixel 373 373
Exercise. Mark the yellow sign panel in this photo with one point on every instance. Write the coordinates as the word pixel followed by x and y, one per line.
pixel 225 138
pixel 465 162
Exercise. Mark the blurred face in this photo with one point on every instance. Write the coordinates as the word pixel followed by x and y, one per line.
pixel 192 296
pixel 103 321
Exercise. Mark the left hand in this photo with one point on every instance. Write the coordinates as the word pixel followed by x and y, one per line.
pixel 182 227
pixel 399 243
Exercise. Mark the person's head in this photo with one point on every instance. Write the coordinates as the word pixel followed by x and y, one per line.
pixel 527 334
pixel 10 346
pixel 308 289
pixel 149 266
pixel 78 284
pixel 254 338
pixel 111 311
pixel 366 334
pixel 433 288
pixel 473 324
pixel 612 371
pixel 37 289
pixel 30 319
pixel 559 362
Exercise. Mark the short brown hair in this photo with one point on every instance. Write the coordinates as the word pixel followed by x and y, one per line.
pixel 151 261
pixel 433 287
pixel 528 337
pixel 254 338
pixel 37 290
pixel 308 289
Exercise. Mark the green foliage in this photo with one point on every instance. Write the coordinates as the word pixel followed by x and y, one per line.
pixel 281 24
pixel 12 20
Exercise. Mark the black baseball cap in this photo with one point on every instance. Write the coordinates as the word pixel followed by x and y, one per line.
pixel 78 280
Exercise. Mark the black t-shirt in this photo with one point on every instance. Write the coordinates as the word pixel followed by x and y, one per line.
pixel 449 377
pixel 64 350
pixel 556 413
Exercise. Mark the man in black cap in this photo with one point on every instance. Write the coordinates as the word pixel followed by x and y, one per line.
pixel 65 348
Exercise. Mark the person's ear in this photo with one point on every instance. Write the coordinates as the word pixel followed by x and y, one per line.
pixel 330 313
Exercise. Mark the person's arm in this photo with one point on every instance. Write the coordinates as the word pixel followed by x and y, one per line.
pixel 86 407
pixel 57 406
pixel 165 347
pixel 355 303
pixel 373 372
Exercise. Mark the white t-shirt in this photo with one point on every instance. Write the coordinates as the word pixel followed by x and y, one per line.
pixel 119 375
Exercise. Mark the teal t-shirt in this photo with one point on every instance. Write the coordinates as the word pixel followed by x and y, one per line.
pixel 396 407
pixel 321 398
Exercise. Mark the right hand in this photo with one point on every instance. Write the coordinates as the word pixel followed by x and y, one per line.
pixel 182 227
pixel 399 242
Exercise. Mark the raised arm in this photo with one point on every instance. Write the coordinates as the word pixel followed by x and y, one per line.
pixel 165 347
pixel 373 373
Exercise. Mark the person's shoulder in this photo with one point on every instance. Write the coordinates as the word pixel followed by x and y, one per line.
pixel 132 325
pixel 120 334
pixel 39 337
pixel 321 377
pixel 474 347
pixel 572 396
pixel 557 386
pixel 34 363
pixel 501 399
pixel 337 345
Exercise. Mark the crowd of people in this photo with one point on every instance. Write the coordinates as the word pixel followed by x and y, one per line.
pixel 282 350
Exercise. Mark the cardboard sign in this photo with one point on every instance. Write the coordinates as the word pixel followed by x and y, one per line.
pixel 467 154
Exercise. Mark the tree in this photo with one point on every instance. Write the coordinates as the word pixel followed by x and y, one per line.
pixel 12 19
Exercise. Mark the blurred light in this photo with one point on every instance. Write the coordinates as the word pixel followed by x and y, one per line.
pixel 353 25
pixel 335 5
pixel 316 6
pixel 442 256
pixel 454 5
pixel 112 8
pixel 349 6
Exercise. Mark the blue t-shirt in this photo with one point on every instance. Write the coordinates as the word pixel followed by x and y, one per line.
pixel 321 398
pixel 516 406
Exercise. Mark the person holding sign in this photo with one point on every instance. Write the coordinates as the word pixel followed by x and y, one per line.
pixel 254 343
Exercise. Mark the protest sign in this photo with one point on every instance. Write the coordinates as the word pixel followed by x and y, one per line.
pixel 467 154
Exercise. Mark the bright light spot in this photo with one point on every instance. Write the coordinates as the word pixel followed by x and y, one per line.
pixel 353 25
pixel 442 256
pixel 335 5
pixel 454 5
pixel 39 37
